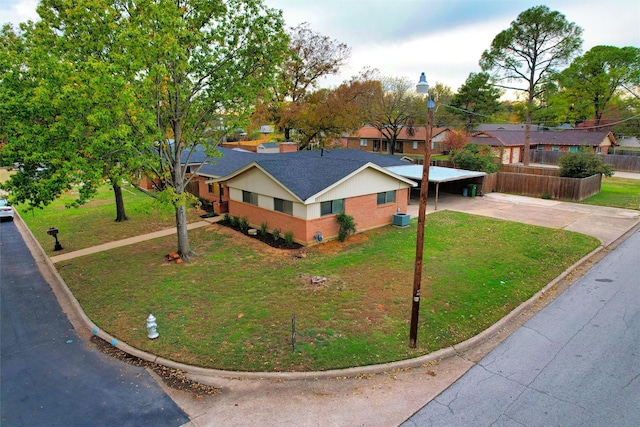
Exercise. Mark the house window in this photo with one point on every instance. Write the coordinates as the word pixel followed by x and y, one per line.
pixel 363 143
pixel 573 149
pixel 331 207
pixel 555 148
pixel 415 145
pixel 284 206
pixel 386 197
pixel 599 150
pixel 376 146
pixel 249 197
pixel 539 148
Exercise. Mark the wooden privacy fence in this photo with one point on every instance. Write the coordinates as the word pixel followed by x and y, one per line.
pixel 619 162
pixel 542 185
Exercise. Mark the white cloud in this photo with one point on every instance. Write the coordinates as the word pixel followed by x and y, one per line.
pixel 443 38
pixel 16 11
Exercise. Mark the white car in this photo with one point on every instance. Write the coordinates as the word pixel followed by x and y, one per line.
pixel 6 211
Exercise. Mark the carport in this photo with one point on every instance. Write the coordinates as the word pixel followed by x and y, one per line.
pixel 437 175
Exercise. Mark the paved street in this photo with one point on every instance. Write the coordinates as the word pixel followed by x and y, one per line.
pixel 49 375
pixel 576 363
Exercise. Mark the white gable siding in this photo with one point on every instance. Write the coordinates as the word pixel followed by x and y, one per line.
pixel 368 181
pixel 256 181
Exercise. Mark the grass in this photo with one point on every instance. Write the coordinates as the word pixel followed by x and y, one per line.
pixel 617 193
pixel 94 223
pixel 232 308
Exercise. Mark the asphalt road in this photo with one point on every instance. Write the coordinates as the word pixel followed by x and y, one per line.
pixel 49 376
pixel 576 363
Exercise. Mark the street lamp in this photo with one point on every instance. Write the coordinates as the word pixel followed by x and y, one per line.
pixel 423 88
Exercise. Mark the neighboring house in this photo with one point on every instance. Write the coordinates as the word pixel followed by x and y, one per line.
pixel 302 192
pixel 509 144
pixel 410 141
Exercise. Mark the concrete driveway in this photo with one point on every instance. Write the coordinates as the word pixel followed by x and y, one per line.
pixel 604 223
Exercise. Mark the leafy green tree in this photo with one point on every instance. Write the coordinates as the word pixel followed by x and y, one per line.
pixel 63 92
pixel 592 80
pixel 536 44
pixel 582 165
pixel 154 77
pixel 476 100
pixel 475 157
pixel 197 62
pixel 394 105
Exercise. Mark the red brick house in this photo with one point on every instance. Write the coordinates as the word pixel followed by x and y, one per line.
pixel 302 191
pixel 509 144
pixel 410 141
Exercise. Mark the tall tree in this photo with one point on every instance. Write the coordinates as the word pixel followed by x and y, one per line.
pixel 476 100
pixel 311 56
pixel 327 114
pixel 532 49
pixel 592 79
pixel 68 129
pixel 198 61
pixel 153 76
pixel 394 106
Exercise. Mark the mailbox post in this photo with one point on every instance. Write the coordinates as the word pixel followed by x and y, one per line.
pixel 52 231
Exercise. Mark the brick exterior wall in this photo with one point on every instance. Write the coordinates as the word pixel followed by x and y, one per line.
pixel 366 212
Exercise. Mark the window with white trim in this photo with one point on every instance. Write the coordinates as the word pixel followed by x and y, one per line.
pixel 386 197
pixel 415 145
pixel 249 197
pixel 284 206
pixel 363 143
pixel 331 207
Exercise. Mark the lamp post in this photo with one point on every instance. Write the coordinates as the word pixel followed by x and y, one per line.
pixel 423 88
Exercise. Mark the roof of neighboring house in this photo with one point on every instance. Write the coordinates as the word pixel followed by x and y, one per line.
pixel 502 126
pixel 417 133
pixel 514 138
pixel 303 173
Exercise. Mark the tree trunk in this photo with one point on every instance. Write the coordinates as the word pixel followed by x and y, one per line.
pixel 287 134
pixel 527 137
pixel 183 237
pixel 121 215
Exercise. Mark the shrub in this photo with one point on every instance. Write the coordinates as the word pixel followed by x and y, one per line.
pixel 288 238
pixel 474 157
pixel 244 224
pixel 235 222
pixel 263 229
pixel 347 225
pixel 226 218
pixel 276 234
pixel 582 165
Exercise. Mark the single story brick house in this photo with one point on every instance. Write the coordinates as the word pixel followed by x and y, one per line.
pixel 302 191
pixel 510 143
pixel 410 140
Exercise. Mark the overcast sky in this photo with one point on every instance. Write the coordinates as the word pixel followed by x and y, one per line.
pixel 443 38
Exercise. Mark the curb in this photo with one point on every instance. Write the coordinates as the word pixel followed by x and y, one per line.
pixel 83 324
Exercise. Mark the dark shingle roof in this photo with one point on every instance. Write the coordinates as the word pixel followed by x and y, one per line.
pixel 510 138
pixel 304 173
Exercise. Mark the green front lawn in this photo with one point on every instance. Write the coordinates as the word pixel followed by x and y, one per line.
pixel 232 307
pixel 94 223
pixel 617 193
